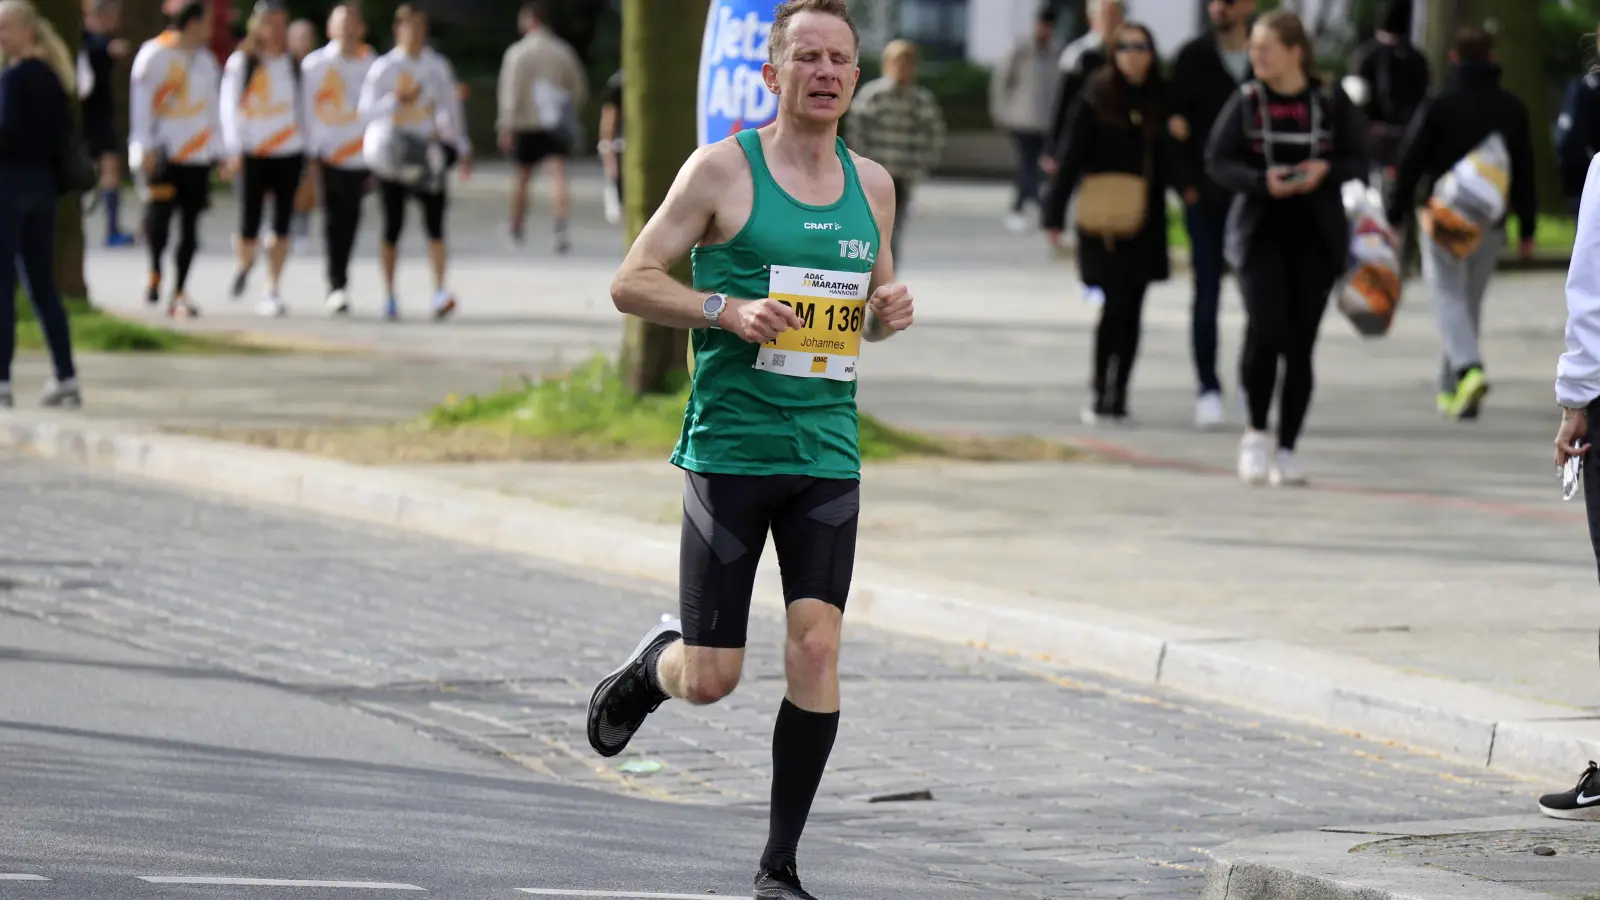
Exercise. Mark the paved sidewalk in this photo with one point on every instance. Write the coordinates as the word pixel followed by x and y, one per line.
pixel 1501 858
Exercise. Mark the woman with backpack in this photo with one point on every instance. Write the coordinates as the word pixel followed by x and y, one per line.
pixel 1284 146
pixel 1117 159
pixel 37 80
pixel 265 140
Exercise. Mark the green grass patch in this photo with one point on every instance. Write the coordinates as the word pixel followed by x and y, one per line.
pixel 94 331
pixel 588 414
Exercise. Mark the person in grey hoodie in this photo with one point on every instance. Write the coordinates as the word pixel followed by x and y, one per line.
pixel 1020 95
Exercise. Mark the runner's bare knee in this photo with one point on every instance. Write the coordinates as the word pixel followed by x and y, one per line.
pixel 710 673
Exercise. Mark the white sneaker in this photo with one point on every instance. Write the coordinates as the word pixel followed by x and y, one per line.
pixel 271 307
pixel 1088 416
pixel 1253 453
pixel 1208 411
pixel 338 303
pixel 1016 223
pixel 6 400
pixel 1286 471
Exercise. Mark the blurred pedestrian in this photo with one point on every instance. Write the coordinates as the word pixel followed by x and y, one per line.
pixel 265 140
pixel 1206 75
pixel 1452 124
pixel 1395 79
pixel 174 140
pixel 37 80
pixel 1079 60
pixel 1020 93
pixel 1118 159
pixel 1284 145
pixel 1578 394
pixel 543 86
pixel 611 145
pixel 897 123
pixel 332 79
pixel 1578 132
pixel 100 53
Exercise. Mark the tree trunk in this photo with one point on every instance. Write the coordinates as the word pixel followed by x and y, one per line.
pixel 660 44
pixel 67 17
pixel 1519 47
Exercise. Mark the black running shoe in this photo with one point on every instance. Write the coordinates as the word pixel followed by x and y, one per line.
pixel 784 885
pixel 1582 802
pixel 240 279
pixel 623 699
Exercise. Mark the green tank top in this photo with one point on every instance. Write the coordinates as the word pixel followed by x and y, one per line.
pixel 788 407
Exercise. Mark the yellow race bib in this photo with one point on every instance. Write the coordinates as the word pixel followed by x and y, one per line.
pixel 833 306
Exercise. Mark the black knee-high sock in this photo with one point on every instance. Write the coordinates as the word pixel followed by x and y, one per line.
pixel 801 742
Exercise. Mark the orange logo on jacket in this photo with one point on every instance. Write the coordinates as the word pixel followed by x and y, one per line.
pixel 257 101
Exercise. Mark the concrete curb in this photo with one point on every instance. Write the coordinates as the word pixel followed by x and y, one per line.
pixel 1319 865
pixel 1469 723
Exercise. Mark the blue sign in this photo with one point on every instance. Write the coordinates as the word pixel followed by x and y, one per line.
pixel 732 95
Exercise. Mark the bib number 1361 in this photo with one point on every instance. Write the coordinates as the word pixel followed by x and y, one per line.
pixel 832 308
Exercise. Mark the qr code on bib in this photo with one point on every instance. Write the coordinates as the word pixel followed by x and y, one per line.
pixel 778 358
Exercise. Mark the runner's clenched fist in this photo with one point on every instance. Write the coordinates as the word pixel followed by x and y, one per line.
pixel 892 305
pixel 759 321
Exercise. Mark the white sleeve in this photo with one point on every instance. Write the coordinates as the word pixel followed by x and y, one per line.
pixel 377 99
pixel 454 124
pixel 310 77
pixel 231 93
pixel 85 75
pixel 141 105
pixel 218 146
pixel 1578 372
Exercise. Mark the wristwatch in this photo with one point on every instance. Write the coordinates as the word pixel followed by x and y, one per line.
pixel 713 308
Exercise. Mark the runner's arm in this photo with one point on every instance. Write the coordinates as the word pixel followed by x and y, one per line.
pixel 230 96
pixel 141 108
pixel 644 286
pixel 879 187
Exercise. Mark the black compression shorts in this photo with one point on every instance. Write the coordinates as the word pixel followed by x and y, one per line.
pixel 725 523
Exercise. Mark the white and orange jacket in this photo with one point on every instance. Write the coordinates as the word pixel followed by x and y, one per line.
pixel 435 114
pixel 173 103
pixel 331 83
pixel 261 118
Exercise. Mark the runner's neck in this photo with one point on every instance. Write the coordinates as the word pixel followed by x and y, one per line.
pixel 811 151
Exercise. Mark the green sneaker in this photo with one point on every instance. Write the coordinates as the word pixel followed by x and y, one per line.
pixel 1443 402
pixel 1469 392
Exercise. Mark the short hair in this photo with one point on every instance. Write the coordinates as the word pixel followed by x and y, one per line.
pixel 188 13
pixel 406 13
pixel 778 42
pixel 1473 44
pixel 1096 7
pixel 1046 16
pixel 536 9
pixel 899 49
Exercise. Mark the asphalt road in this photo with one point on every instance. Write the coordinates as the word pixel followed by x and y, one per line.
pixel 121 766
pixel 254 732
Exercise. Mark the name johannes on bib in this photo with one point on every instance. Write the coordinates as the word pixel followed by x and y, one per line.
pixel 833 309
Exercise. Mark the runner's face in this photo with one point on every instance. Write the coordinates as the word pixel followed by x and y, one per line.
pixel 1268 55
pixel 817 77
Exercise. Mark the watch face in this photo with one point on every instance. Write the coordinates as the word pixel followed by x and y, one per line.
pixel 714 304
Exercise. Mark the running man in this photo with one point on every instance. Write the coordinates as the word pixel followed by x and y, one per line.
pixel 266 144
pixel 542 87
pixel 331 79
pixel 175 139
pixel 788 234
pixel 101 51
pixel 411 93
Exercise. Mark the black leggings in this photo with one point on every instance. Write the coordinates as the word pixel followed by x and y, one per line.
pixel 186 191
pixel 726 519
pixel 278 175
pixel 1286 285
pixel 342 193
pixel 1116 342
pixel 395 195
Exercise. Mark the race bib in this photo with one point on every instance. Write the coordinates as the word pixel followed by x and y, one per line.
pixel 833 306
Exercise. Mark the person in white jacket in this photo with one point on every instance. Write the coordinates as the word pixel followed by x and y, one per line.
pixel 1578 394
pixel 265 141
pixel 411 95
pixel 175 140
pixel 331 78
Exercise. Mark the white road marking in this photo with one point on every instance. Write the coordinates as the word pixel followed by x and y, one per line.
pixel 15 876
pixel 279 882
pixel 552 892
